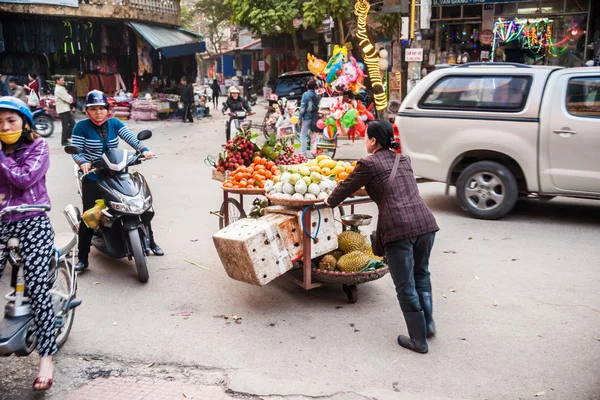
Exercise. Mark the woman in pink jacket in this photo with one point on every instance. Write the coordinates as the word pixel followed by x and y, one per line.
pixel 24 161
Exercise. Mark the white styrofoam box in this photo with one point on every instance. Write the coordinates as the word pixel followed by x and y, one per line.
pixel 252 251
pixel 327 237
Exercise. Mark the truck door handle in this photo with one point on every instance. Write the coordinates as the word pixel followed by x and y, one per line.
pixel 564 132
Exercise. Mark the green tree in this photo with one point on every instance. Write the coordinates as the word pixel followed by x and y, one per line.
pixel 389 25
pixel 216 15
pixel 267 17
pixel 188 18
pixel 314 11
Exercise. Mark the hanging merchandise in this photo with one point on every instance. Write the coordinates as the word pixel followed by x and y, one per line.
pixel 104 40
pixel 144 60
pixel 68 46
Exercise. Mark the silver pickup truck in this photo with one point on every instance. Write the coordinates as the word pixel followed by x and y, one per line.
pixel 498 131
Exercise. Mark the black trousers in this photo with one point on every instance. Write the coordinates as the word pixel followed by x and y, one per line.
pixel 91 193
pixel 36 238
pixel 68 122
pixel 215 100
pixel 408 260
pixel 187 112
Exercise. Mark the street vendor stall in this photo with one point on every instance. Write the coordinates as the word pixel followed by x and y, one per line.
pixel 294 230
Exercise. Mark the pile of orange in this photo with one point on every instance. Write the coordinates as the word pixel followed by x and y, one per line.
pixel 253 176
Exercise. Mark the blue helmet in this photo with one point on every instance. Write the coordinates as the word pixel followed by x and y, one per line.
pixel 96 98
pixel 14 104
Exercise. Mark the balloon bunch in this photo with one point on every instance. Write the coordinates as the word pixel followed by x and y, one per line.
pixel 340 73
pixel 345 117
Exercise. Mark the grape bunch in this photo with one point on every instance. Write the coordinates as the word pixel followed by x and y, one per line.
pixel 289 157
pixel 239 151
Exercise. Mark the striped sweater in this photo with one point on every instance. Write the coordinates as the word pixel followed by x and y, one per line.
pixel 86 137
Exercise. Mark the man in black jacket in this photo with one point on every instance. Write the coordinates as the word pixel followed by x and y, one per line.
pixel 187 98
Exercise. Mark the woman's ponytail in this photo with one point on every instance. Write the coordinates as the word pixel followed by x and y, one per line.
pixel 383 132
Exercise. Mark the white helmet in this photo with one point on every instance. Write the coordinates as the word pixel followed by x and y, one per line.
pixel 234 89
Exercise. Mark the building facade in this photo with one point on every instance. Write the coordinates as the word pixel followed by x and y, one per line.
pixel 111 45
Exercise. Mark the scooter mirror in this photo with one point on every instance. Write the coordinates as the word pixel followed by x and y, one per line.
pixel 144 135
pixel 70 149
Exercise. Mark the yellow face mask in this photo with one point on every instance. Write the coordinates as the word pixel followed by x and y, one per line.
pixel 10 137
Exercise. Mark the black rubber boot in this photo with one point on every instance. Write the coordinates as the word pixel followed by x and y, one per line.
pixel 81 266
pixel 415 322
pixel 427 307
pixel 156 249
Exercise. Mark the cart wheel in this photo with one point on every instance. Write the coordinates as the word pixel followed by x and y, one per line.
pixel 236 211
pixel 351 292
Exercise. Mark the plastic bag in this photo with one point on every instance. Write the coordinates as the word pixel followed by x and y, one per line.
pixel 92 217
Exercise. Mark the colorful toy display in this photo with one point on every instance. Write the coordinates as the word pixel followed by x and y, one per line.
pixel 345 117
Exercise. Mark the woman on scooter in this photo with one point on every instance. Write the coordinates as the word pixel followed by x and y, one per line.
pixel 93 136
pixel 235 103
pixel 24 161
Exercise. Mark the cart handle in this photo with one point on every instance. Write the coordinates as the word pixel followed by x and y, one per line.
pixel 309 209
pixel 347 202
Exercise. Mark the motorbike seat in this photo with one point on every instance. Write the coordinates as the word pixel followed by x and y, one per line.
pixel 65 241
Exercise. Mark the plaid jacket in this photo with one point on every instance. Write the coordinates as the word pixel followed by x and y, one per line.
pixel 405 214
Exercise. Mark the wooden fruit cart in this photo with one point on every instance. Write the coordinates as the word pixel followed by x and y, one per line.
pixel 230 204
pixel 312 278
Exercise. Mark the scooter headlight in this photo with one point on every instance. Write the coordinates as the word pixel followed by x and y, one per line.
pixel 133 205
pixel 136 205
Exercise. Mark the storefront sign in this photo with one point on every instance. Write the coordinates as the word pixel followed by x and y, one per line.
pixel 414 55
pixel 65 3
pixel 486 37
pixel 467 2
pixel 261 66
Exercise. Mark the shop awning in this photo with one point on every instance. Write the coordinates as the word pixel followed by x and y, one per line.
pixel 171 42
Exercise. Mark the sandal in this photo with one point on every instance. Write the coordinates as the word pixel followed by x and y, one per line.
pixel 40 384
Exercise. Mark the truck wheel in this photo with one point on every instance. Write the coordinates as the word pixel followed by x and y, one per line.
pixel 487 190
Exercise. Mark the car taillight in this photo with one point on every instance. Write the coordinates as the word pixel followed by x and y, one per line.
pixel 397 138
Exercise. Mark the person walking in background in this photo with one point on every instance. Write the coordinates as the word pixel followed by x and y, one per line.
pixel 33 101
pixel 406 229
pixel 33 84
pixel 4 90
pixel 17 90
pixel 309 106
pixel 187 98
pixel 247 88
pixel 63 109
pixel 216 92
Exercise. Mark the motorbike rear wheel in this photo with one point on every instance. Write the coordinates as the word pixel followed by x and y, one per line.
pixel 62 285
pixel 139 255
pixel 44 126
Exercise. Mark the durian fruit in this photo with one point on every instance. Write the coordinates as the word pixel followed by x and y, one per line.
pixel 350 241
pixel 372 255
pixel 353 261
pixel 328 263
pixel 337 254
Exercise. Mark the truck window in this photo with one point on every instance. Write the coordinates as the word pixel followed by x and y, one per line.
pixel 583 97
pixel 478 93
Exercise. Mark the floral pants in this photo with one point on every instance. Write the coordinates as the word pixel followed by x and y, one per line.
pixel 36 238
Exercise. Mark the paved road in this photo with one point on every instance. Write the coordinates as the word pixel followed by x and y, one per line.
pixel 516 303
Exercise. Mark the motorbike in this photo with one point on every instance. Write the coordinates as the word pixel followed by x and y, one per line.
pixel 237 121
pixel 252 97
pixel 283 111
pixel 17 328
pixel 122 231
pixel 43 122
